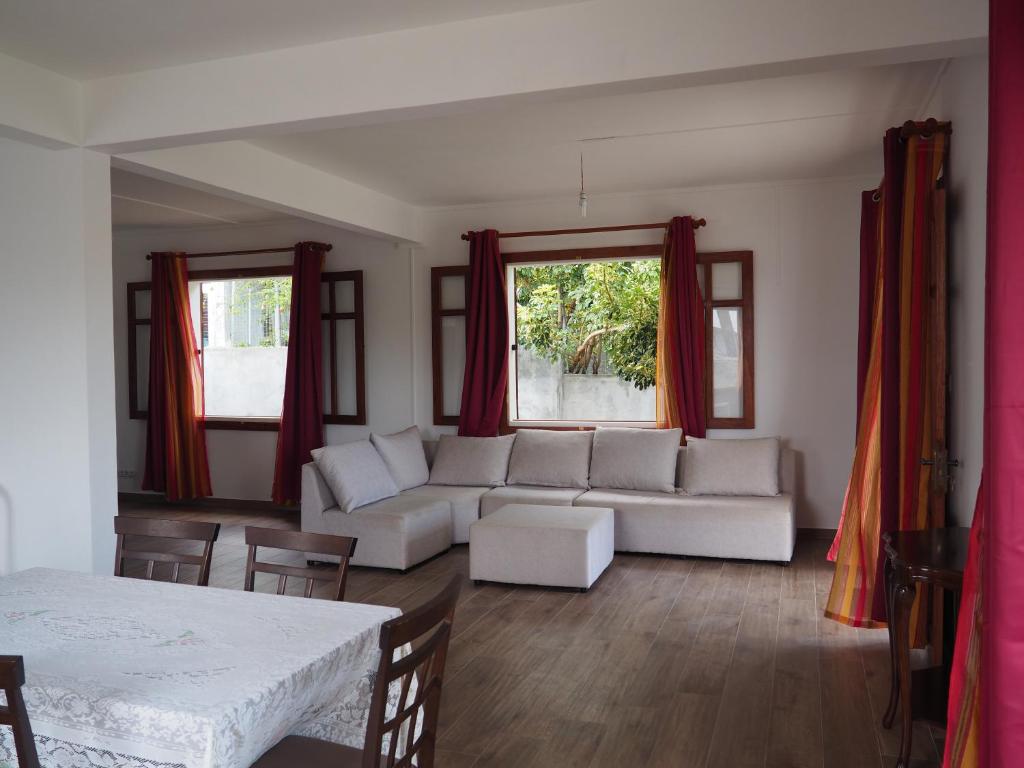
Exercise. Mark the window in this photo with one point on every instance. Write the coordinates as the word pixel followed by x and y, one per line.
pixel 584 324
pixel 448 302
pixel 241 318
pixel 242 330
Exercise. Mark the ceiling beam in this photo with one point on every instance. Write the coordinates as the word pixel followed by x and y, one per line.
pixel 38 106
pixel 242 171
pixel 581 49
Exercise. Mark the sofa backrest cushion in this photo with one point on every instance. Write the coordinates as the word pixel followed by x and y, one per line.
pixel 551 457
pixel 731 467
pixel 404 456
pixel 471 460
pixel 635 459
pixel 355 473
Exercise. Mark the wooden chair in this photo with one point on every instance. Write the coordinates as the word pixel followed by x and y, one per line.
pixel 12 677
pixel 428 628
pixel 180 530
pixel 342 547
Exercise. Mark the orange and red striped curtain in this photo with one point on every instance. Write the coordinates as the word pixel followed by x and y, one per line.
pixel 680 347
pixel 175 434
pixel 888 487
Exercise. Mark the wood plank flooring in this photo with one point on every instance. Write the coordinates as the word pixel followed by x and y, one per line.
pixel 664 662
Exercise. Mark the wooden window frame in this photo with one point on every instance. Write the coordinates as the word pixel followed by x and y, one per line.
pixel 616 253
pixel 331 316
pixel 746 305
pixel 437 314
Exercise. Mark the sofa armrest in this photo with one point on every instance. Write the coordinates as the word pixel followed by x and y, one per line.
pixel 316 496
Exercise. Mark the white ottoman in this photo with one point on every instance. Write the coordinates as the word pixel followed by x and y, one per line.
pixel 543 545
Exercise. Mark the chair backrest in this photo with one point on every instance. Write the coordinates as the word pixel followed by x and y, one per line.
pixel 428 628
pixel 342 547
pixel 14 714
pixel 180 530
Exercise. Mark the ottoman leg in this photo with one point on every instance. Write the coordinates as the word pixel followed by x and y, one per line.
pixel 477 582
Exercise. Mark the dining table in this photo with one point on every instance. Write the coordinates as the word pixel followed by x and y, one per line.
pixel 127 673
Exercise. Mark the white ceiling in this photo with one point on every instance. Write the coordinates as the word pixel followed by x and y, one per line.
pixel 819 125
pixel 141 202
pixel 94 38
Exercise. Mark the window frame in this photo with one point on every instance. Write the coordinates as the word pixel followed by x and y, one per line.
pixel 331 316
pixel 612 253
pixel 437 314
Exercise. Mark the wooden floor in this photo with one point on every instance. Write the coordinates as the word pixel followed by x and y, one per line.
pixel 664 662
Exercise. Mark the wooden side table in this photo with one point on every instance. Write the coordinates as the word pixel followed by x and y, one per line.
pixel 934 557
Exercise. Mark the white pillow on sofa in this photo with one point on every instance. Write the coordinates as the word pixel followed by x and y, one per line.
pixel 551 457
pixel 635 459
pixel 404 456
pixel 747 467
pixel 471 460
pixel 355 473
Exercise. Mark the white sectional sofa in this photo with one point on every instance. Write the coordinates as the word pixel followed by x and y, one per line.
pixel 422 517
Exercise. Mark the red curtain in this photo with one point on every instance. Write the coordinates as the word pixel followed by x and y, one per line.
pixel 302 428
pixel 986 709
pixel 680 347
pixel 483 384
pixel 175 433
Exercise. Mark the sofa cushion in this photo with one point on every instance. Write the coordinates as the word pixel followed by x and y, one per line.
pixel 471 460
pixel 557 458
pixel 635 459
pixel 355 473
pixel 548 457
pixel 732 467
pixel 404 456
pixel 398 532
pixel 746 527
pixel 465 503
pixel 496 498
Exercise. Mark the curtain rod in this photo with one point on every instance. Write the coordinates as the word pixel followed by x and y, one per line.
pixel 286 249
pixel 697 224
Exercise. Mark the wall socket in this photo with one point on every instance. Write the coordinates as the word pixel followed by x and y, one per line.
pixel 125 474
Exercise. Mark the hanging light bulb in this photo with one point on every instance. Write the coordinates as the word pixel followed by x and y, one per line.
pixel 583 195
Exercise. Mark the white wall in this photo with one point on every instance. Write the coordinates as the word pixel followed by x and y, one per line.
pixel 962 97
pixel 57 470
pixel 805 239
pixel 242 463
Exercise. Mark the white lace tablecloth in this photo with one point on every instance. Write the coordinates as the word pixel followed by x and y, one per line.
pixel 139 674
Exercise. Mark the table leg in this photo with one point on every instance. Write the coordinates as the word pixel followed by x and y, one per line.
pixel 894 683
pixel 903 600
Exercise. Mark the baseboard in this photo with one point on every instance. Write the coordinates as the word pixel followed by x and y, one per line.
pixel 248 505
pixel 816 534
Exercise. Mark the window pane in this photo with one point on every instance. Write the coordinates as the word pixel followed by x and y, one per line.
pixel 453 364
pixel 344 296
pixel 586 339
pixel 142 304
pixel 727 280
pixel 243 329
pixel 346 340
pixel 345 355
pixel 453 292
pixel 727 345
pixel 142 364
